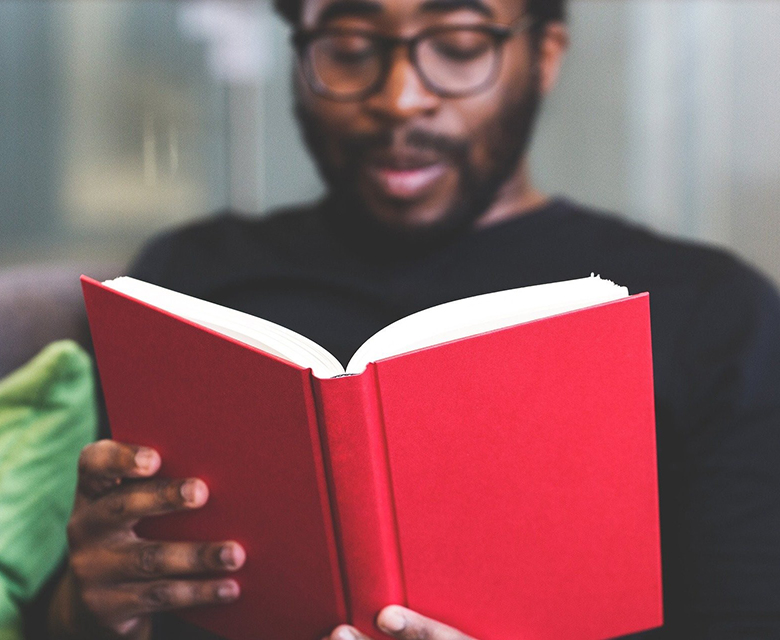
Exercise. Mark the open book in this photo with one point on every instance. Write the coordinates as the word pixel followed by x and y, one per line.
pixel 489 462
pixel 435 325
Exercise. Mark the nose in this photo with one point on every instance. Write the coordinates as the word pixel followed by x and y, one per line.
pixel 403 96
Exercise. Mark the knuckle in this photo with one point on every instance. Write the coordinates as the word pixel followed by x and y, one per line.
pixel 207 593
pixel 99 469
pixel 168 494
pixel 95 455
pixel 149 560
pixel 79 531
pixel 206 556
pixel 158 596
pixel 107 457
pixel 92 600
pixel 420 632
pixel 216 592
pixel 115 504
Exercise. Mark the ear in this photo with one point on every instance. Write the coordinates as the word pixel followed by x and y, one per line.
pixel 552 48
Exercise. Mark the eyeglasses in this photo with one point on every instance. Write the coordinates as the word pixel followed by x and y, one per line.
pixel 452 61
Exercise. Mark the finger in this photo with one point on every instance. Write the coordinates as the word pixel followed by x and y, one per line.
pixel 135 627
pixel 121 605
pixel 133 501
pixel 103 464
pixel 345 632
pixel 178 594
pixel 408 625
pixel 146 560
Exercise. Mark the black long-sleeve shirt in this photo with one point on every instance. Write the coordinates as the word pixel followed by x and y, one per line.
pixel 716 349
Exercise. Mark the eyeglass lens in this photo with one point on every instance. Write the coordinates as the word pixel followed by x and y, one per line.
pixel 345 64
pixel 451 61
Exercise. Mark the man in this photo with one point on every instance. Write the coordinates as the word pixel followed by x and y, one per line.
pixel 418 113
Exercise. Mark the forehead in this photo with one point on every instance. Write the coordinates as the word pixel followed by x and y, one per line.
pixel 319 11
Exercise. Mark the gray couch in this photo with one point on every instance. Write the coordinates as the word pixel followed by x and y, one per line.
pixel 40 303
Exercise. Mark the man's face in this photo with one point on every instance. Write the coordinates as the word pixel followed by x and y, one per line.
pixel 404 154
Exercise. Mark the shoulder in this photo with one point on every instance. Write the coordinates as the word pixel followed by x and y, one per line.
pixel 703 298
pixel 229 231
pixel 715 318
pixel 645 259
pixel 225 243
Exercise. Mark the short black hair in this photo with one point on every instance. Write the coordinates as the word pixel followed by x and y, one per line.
pixel 542 10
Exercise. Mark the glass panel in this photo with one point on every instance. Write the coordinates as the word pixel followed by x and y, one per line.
pixel 667 112
pixel 113 124
pixel 118 117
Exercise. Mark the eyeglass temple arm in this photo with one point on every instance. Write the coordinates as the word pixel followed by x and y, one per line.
pixel 522 23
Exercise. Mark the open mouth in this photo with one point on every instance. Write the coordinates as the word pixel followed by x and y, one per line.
pixel 406 184
pixel 404 176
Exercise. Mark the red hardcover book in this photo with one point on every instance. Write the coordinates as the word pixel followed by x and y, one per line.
pixel 503 483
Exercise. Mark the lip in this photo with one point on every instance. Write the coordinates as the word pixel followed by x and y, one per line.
pixel 405 177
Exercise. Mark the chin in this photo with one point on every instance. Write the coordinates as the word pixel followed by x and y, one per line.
pixel 417 225
pixel 411 217
pixel 410 220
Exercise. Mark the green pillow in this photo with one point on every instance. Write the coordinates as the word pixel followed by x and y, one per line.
pixel 47 414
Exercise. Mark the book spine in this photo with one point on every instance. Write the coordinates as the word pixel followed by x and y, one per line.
pixel 352 433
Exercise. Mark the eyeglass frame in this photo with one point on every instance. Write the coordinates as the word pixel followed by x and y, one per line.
pixel 387 44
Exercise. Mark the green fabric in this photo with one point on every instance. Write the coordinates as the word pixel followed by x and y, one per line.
pixel 47 414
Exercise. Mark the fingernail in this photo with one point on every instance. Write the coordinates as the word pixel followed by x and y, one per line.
pixel 391 620
pixel 195 492
pixel 345 634
pixel 232 555
pixel 146 460
pixel 228 591
pixel 126 627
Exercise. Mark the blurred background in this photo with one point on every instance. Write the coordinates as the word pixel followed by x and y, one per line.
pixel 121 117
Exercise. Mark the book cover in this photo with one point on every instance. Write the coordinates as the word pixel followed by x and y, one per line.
pixel 504 483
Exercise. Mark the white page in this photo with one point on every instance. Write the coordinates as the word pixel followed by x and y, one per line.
pixel 443 323
pixel 256 332
pixel 478 314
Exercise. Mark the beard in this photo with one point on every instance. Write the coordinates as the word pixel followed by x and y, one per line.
pixel 507 138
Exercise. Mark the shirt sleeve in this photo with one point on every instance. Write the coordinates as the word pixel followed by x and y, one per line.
pixel 722 543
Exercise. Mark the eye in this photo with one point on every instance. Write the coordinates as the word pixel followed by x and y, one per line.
pixel 348 49
pixel 461 46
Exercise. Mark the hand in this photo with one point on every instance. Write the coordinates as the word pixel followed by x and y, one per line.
pixel 115 580
pixel 403 624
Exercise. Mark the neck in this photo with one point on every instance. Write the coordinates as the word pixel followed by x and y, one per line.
pixel 516 197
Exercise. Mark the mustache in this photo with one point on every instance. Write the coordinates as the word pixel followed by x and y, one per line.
pixel 415 139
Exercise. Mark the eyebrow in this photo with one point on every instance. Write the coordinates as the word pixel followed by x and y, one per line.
pixel 448 6
pixel 349 8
